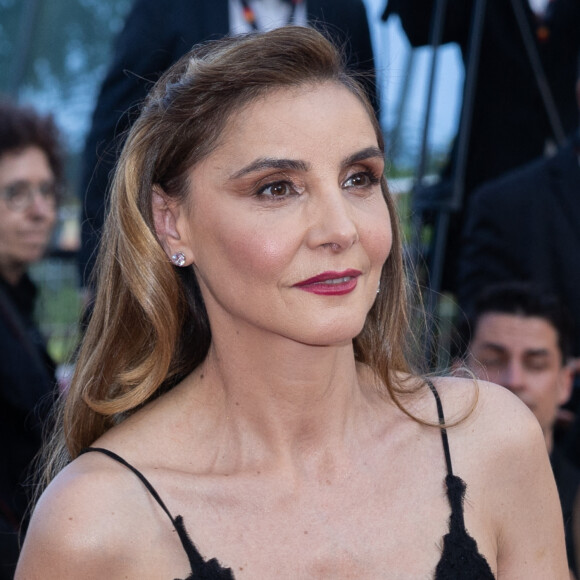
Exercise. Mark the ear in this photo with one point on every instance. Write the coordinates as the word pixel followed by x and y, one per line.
pixel 565 382
pixel 165 217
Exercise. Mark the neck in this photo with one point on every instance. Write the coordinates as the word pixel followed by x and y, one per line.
pixel 12 273
pixel 285 399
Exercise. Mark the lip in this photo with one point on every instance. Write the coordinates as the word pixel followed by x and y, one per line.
pixel 35 238
pixel 331 283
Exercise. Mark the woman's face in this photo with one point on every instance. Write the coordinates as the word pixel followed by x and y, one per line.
pixel 26 219
pixel 286 224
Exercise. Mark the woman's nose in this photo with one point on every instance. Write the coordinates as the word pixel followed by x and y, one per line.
pixel 333 222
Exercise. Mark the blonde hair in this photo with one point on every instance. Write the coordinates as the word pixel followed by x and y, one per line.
pixel 149 327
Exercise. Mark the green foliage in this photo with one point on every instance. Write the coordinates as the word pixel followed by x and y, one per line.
pixel 54 54
pixel 58 306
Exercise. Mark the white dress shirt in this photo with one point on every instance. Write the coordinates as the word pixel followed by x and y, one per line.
pixel 270 14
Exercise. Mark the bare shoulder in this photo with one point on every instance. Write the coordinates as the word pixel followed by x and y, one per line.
pixel 482 407
pixel 487 425
pixel 499 449
pixel 79 525
pixel 467 403
pixel 490 424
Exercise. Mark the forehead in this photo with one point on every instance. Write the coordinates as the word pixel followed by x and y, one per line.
pixel 25 164
pixel 314 112
pixel 515 333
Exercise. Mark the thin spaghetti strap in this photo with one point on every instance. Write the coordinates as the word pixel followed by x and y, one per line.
pixel 460 556
pixel 143 479
pixel 195 559
pixel 443 429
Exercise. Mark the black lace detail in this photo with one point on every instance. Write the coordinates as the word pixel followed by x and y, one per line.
pixel 460 557
pixel 200 569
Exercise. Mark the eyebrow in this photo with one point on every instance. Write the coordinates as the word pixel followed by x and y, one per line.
pixel 494 346
pixel 537 352
pixel 528 352
pixel 367 153
pixel 264 163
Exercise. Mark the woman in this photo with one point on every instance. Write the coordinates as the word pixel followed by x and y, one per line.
pixel 259 386
pixel 31 172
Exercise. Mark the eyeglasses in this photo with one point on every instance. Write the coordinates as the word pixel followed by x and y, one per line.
pixel 19 195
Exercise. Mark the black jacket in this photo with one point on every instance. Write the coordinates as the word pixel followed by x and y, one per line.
pixel 526 226
pixel 509 124
pixel 567 477
pixel 27 391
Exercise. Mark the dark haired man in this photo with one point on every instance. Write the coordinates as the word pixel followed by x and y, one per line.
pixel 524 226
pixel 519 337
pixel 508 125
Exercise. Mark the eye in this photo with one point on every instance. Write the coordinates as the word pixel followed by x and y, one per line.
pixel 278 189
pixel 48 190
pixel 17 191
pixel 361 179
pixel 492 362
pixel 538 364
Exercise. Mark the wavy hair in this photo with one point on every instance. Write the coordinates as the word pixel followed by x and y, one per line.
pixel 149 328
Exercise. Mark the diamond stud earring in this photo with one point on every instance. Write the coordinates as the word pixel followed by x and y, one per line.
pixel 178 259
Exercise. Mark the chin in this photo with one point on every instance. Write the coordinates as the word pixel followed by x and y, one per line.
pixel 333 335
pixel 31 257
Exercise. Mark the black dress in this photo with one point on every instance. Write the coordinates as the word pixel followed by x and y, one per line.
pixel 460 558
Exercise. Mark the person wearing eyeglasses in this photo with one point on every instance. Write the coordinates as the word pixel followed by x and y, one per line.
pixel 31 175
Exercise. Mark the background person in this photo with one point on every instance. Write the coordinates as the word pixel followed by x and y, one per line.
pixel 509 125
pixel 519 337
pixel 524 226
pixel 31 174
pixel 241 370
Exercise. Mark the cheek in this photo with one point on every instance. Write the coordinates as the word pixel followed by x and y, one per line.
pixel 377 238
pixel 8 230
pixel 383 245
pixel 51 219
pixel 257 255
pixel 549 388
pixel 253 252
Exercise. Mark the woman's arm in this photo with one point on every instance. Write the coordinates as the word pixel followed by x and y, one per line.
pixel 72 534
pixel 94 521
pixel 521 493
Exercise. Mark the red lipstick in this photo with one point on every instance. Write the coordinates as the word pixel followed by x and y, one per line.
pixel 331 283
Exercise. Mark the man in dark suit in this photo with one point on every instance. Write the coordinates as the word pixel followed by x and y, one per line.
pixel 509 123
pixel 156 34
pixel 526 226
